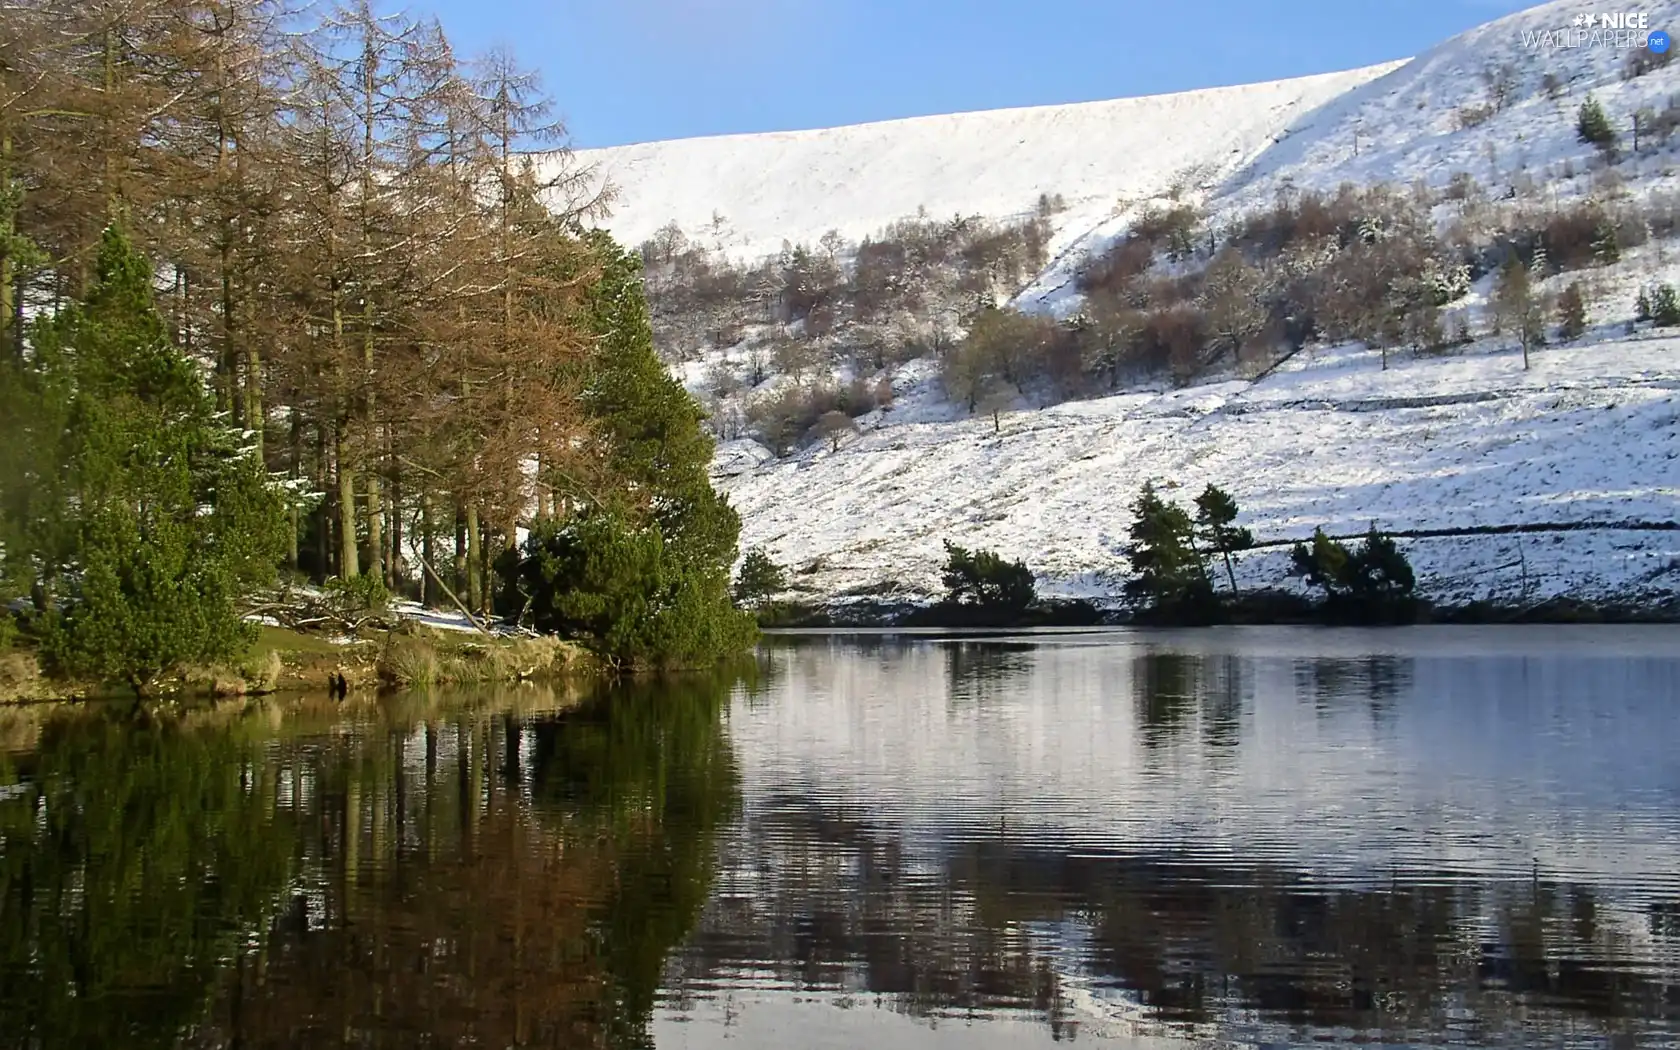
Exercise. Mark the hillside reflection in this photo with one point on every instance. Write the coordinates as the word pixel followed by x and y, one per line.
pixel 1212 837
pixel 1004 924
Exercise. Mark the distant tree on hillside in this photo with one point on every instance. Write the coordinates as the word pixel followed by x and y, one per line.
pixel 1231 298
pixel 834 426
pixel 1168 573
pixel 1594 127
pixel 1216 529
pixel 758 580
pixel 1572 312
pixel 999 394
pixel 1518 309
pixel 1665 306
pixel 986 579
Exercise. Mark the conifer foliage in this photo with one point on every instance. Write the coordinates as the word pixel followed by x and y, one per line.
pixel 635 559
pixel 1372 582
pixel 1593 126
pixel 987 580
pixel 1216 529
pixel 373 282
pixel 1168 573
pixel 138 514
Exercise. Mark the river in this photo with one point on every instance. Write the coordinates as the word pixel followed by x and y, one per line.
pixel 1251 837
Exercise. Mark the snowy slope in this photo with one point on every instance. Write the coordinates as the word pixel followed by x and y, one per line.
pixel 1590 434
pixel 1404 127
pixel 1100 156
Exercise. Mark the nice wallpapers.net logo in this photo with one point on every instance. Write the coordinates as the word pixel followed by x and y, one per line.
pixel 1614 30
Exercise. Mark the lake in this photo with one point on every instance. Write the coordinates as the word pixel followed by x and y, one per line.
pixel 1248 837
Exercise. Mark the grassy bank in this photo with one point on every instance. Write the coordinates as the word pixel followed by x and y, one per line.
pixel 283 660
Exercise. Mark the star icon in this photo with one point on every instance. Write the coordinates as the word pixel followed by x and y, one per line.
pixel 1591 19
pixel 1580 20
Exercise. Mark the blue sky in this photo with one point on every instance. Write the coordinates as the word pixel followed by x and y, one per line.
pixel 639 70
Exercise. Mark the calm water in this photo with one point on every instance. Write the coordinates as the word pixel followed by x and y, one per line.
pixel 1257 837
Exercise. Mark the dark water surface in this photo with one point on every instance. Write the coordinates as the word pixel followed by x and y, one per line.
pixel 1247 837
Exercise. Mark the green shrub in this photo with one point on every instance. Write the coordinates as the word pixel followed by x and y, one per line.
pixel 1593 126
pixel 1168 575
pixel 357 597
pixel 623 590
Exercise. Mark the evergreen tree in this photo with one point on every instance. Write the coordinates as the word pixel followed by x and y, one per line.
pixel 1665 306
pixel 619 585
pixel 1372 582
pixel 1324 564
pixel 147 517
pixel 1216 529
pixel 1379 575
pixel 1168 573
pixel 986 579
pixel 1593 126
pixel 1572 312
pixel 640 569
pixel 1606 246
pixel 759 579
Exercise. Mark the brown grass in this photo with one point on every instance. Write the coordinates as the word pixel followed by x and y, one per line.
pixel 419 657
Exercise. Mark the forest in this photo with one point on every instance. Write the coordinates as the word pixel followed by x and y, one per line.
pixel 315 293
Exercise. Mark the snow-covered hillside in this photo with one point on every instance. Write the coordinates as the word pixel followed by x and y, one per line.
pixel 746 194
pixel 1590 434
pixel 1467 439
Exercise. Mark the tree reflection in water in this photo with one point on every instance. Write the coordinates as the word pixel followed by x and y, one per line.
pixel 442 874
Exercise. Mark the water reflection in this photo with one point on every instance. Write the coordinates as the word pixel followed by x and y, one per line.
pixel 506 873
pixel 1259 838
pixel 1271 837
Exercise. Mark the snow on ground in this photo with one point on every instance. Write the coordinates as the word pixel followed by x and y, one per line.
pixel 1590 434
pixel 1100 156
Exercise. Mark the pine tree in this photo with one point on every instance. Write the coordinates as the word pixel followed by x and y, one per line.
pixel 1168 573
pixel 1372 582
pixel 1216 529
pixel 758 580
pixel 1606 246
pixel 1572 312
pixel 1593 126
pixel 162 518
pixel 1665 306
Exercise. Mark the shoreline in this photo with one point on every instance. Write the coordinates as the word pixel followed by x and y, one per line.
pixel 1264 609
pixel 284 661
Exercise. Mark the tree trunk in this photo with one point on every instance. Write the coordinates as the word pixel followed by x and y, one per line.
pixel 375 527
pixel 254 418
pixel 348 560
pixel 475 555
pixel 323 560
pixel 427 587
pixel 8 275
pixel 393 532
pixel 460 548
pixel 1230 572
